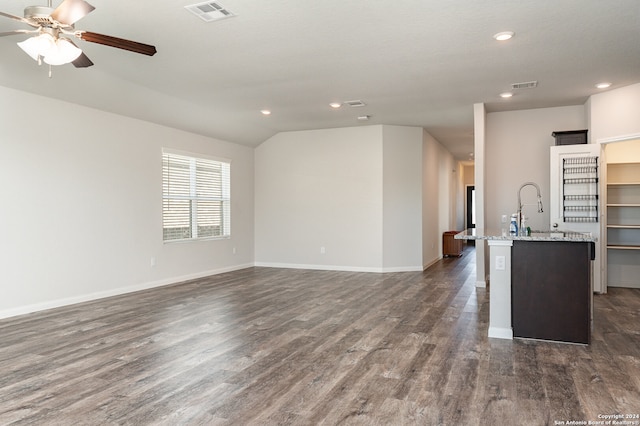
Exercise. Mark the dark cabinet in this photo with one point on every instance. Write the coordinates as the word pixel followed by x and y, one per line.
pixel 551 290
pixel 451 246
pixel 570 137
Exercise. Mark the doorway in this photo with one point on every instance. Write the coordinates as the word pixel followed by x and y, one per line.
pixel 470 207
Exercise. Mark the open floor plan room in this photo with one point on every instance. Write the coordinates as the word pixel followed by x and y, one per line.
pixel 302 347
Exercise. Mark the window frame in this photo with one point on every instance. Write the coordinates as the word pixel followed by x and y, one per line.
pixel 195 161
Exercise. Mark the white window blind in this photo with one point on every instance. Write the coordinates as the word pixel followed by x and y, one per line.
pixel 196 197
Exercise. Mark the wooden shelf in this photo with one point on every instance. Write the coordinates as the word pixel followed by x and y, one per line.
pixel 622 237
pixel 614 247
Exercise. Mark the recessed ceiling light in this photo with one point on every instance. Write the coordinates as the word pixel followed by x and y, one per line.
pixel 504 35
pixel 506 95
pixel 335 104
pixel 364 117
pixel 265 112
pixel 603 85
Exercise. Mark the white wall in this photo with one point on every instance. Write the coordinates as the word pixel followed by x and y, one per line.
pixel 623 152
pixel 517 151
pixel 356 192
pixel 320 188
pixel 402 198
pixel 480 183
pixel 81 205
pixel 439 192
pixel 615 113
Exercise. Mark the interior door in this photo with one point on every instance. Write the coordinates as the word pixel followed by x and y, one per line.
pixel 556 207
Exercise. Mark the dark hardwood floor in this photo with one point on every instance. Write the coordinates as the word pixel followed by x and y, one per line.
pixel 275 346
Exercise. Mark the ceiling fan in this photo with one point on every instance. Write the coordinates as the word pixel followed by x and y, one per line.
pixel 50 26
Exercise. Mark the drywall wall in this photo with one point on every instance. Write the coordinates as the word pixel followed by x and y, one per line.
pixel 468 174
pixel 623 152
pixel 344 199
pixel 439 192
pixel 402 198
pixel 81 205
pixel 614 113
pixel 319 198
pixel 480 179
pixel 517 151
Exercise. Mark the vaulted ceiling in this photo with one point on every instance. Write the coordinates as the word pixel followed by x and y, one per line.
pixel 412 62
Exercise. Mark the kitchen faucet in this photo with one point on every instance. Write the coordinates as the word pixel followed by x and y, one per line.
pixel 519 214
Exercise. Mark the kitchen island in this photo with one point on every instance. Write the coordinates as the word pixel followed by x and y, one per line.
pixel 540 285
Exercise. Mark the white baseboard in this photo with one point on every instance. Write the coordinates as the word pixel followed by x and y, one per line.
pixel 339 267
pixel 36 307
pixel 430 264
pixel 501 333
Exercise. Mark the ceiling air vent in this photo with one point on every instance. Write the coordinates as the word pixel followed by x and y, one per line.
pixel 525 85
pixel 355 104
pixel 209 11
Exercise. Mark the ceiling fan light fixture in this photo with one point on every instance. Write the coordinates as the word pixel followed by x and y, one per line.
pixel 37 46
pixel 64 52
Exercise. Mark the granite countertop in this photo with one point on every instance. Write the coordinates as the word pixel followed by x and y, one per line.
pixel 497 234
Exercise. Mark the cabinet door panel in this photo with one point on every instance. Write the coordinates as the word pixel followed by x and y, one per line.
pixel 551 290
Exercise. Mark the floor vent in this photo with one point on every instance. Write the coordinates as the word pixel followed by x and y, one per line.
pixel 209 11
pixel 525 85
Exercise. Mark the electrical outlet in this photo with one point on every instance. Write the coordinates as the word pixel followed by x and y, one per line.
pixel 322 250
pixel 234 250
pixel 153 261
pixel 501 262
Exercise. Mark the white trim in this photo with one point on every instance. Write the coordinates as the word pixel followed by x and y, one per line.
pixel 339 268
pixel 433 262
pixel 27 309
pixel 403 269
pixel 620 138
pixel 501 333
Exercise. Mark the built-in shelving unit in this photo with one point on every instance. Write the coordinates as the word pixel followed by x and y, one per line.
pixel 623 224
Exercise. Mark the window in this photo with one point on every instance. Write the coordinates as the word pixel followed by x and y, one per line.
pixel 196 197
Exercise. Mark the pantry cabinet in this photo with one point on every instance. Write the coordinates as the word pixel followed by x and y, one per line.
pixel 623 224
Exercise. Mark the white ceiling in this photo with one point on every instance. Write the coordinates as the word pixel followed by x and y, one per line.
pixel 413 62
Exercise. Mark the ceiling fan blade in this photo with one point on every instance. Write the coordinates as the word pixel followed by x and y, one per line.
pixel 71 11
pixel 14 32
pixel 14 17
pixel 82 61
pixel 120 43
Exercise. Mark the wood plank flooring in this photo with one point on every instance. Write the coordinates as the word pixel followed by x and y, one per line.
pixel 297 347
